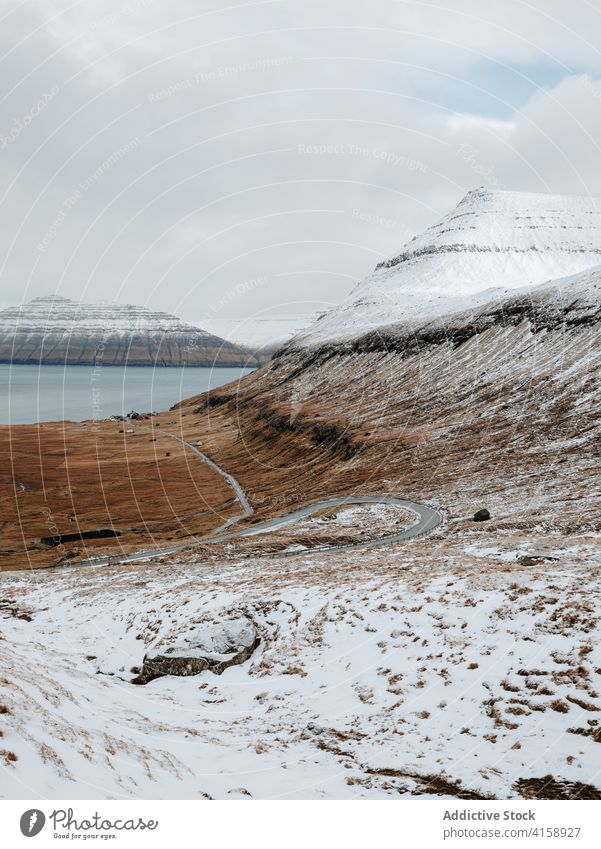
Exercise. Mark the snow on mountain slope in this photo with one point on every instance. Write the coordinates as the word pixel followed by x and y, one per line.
pixel 261 336
pixel 561 304
pixel 491 243
pixel 56 330
pixel 476 397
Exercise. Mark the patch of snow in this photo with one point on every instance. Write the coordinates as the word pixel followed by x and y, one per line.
pixel 494 552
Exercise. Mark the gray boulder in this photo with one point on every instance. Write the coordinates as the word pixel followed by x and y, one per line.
pixel 215 648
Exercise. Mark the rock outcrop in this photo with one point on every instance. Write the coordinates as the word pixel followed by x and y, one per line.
pixel 214 649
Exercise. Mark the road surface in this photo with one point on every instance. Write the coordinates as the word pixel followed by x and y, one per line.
pixel 427 518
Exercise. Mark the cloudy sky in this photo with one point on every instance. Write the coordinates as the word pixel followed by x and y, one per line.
pixel 226 160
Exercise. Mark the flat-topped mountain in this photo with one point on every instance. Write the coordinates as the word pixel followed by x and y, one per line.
pixel 492 242
pixel 53 330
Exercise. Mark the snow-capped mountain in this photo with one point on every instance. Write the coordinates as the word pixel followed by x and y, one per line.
pixel 56 330
pixel 492 242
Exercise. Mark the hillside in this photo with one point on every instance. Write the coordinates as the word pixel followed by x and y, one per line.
pixel 57 331
pixel 498 404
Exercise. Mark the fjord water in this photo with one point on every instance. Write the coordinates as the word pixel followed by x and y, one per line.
pixel 52 393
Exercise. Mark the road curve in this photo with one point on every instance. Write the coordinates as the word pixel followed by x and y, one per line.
pixel 427 518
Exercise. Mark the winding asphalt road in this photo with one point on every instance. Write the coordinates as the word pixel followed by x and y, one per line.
pixel 426 519
pixel 241 496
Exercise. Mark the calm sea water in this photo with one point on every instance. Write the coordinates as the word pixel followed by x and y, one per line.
pixel 51 393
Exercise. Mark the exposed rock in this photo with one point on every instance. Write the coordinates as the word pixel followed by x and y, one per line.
pixel 437 785
pixel 8 607
pixel 61 539
pixel 549 787
pixel 481 515
pixel 215 648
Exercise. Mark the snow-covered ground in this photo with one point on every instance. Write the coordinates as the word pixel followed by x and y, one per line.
pixel 455 666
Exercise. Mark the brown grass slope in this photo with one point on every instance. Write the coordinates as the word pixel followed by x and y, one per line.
pixel 60 478
pixel 498 408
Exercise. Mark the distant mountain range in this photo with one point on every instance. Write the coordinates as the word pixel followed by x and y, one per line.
pixel 53 330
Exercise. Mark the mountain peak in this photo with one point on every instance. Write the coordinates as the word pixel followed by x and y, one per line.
pixel 493 240
pixel 523 198
pixel 51 299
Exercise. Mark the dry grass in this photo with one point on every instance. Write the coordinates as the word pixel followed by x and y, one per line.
pixel 58 480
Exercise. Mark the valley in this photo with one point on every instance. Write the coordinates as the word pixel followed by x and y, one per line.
pixel 318 648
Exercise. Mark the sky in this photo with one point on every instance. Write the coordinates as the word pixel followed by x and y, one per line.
pixel 233 162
